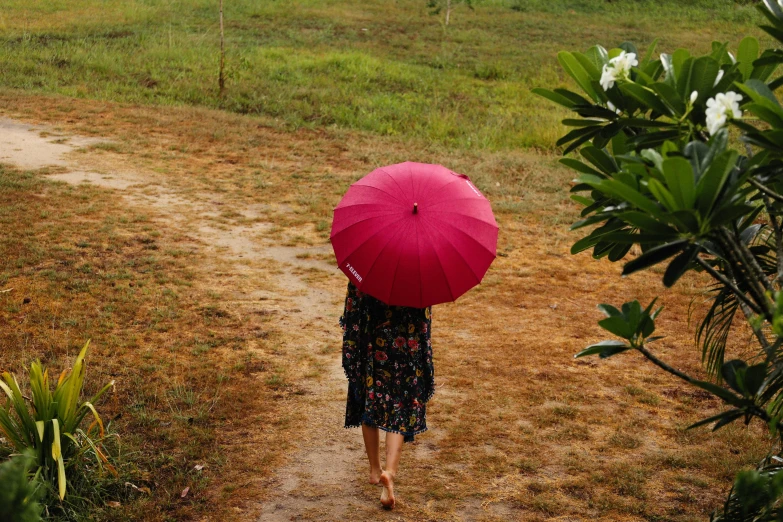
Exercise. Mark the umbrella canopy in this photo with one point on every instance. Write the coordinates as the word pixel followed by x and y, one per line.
pixel 414 234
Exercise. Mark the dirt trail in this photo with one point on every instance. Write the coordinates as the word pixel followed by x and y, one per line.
pixel 324 478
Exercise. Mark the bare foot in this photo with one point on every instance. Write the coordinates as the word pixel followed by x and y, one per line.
pixel 387 495
pixel 375 476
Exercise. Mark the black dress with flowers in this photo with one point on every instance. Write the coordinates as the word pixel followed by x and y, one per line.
pixel 387 357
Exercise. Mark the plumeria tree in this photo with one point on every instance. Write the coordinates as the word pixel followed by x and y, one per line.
pixel 682 155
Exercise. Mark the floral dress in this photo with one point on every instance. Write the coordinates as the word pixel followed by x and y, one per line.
pixel 387 357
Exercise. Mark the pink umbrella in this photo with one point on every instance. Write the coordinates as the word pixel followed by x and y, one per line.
pixel 414 234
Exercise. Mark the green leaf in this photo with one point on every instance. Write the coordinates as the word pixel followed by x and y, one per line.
pixel 624 192
pixel 582 139
pixel 648 55
pixel 598 57
pixel 766 65
pixel 575 69
pixel 578 133
pixel 604 349
pixel 601 159
pixel 609 310
pixel 679 57
pixel 696 151
pixel 593 70
pixel 712 181
pixel 746 54
pixel 668 95
pixel 654 256
pixel 766 114
pixel 619 144
pixel 555 97
pixel 730 414
pixel 760 93
pixel 697 75
pixel 754 378
pixel 595 237
pixel 618 251
pixel 679 266
pixel 618 326
pixel 633 312
pixel 679 177
pixel 648 322
pixel 571 122
pixel 662 194
pixel 646 223
pixel 646 97
pixel 582 200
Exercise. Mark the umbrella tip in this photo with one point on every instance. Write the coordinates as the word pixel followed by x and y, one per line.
pixel 415 208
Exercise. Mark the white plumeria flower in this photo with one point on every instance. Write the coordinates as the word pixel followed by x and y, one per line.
pixel 719 77
pixel 720 109
pixel 694 95
pixel 618 68
pixel 665 61
pixel 734 60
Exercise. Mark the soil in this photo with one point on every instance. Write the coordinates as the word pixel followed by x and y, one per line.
pixel 522 430
pixel 325 477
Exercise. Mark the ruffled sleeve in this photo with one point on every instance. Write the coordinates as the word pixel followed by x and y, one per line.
pixel 351 324
pixel 425 340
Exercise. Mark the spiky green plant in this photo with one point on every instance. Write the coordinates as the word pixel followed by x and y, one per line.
pixel 51 427
pixel 19 495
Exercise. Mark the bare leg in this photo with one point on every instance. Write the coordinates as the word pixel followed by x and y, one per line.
pixel 371 445
pixel 393 452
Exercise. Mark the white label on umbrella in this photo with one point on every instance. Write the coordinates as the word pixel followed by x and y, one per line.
pixel 354 272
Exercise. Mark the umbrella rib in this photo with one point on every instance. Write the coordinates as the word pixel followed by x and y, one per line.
pixel 362 221
pixel 494 254
pixel 379 189
pixel 450 200
pixel 369 238
pixel 418 258
pixel 445 237
pixel 382 250
pixel 433 188
pixel 440 261
pixel 441 187
pixel 466 216
pixel 395 182
pixel 365 219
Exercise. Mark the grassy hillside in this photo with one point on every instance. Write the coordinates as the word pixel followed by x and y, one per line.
pixel 390 68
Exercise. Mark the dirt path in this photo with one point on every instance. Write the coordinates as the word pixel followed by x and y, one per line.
pixel 323 478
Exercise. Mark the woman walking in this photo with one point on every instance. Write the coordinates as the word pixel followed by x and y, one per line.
pixel 387 357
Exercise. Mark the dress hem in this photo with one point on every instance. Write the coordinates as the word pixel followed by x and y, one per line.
pixel 408 435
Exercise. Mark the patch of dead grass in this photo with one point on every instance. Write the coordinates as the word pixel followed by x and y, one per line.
pixel 519 429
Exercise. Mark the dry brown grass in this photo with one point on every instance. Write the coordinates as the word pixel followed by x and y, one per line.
pixel 519 429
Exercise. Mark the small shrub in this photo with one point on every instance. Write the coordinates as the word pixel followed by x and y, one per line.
pixel 18 494
pixel 51 428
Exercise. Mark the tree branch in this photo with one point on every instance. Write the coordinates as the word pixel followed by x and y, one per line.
pixel 660 364
pixel 778 237
pixel 725 281
pixel 751 409
pixel 745 270
pixel 748 313
pixel 765 190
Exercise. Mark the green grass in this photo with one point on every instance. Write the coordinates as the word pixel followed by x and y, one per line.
pixel 388 68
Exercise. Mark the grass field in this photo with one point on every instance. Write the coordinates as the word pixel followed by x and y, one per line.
pixel 210 374
pixel 384 67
